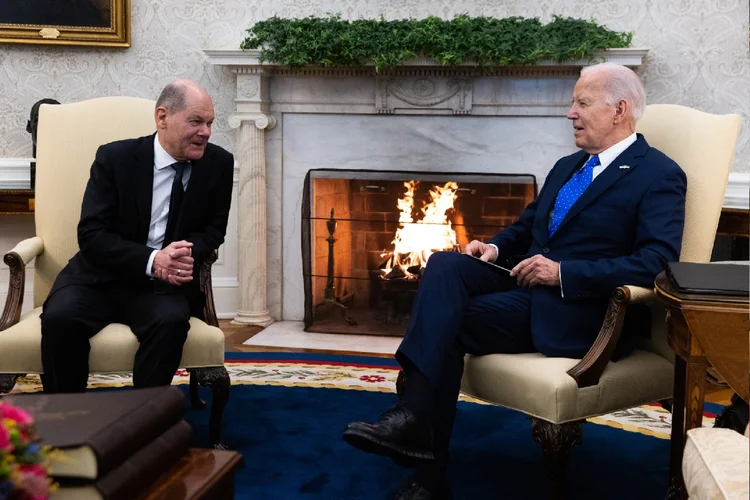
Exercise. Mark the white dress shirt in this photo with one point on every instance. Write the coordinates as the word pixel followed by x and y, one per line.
pixel 162 189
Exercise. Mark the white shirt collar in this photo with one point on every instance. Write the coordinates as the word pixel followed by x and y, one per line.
pixel 162 159
pixel 611 153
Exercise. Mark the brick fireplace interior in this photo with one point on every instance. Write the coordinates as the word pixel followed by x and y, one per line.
pixel 350 219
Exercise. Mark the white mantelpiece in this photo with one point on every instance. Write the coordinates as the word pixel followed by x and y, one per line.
pixel 419 116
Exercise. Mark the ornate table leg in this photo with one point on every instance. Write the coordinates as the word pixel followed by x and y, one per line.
pixel 217 378
pixel 8 381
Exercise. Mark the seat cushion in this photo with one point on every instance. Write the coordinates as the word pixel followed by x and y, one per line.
pixel 539 386
pixel 715 464
pixel 112 349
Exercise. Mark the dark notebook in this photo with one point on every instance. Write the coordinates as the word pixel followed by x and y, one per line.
pixel 137 472
pixel 710 279
pixel 98 431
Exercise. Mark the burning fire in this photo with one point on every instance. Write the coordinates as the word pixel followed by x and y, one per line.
pixel 416 241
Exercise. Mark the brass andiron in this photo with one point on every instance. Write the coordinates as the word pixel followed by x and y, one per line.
pixel 329 295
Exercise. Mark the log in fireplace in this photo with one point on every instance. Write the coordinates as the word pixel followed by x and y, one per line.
pixel 366 236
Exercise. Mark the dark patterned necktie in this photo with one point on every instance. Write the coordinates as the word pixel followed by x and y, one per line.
pixel 571 191
pixel 175 201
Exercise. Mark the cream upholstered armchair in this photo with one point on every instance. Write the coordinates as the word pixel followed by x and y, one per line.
pixel 559 394
pixel 68 136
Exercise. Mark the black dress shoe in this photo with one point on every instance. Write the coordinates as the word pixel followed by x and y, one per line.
pixel 413 489
pixel 398 434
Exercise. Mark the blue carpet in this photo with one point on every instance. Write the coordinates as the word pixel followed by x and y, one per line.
pixel 290 438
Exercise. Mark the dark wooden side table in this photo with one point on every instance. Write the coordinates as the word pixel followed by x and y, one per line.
pixel 201 474
pixel 16 201
pixel 704 330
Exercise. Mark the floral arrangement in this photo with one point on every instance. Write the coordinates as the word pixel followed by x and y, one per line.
pixel 23 461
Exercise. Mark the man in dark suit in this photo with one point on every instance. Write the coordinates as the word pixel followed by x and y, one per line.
pixel 610 214
pixel 154 209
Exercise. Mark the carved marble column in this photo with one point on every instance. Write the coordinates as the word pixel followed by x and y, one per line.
pixel 252 119
pixel 251 224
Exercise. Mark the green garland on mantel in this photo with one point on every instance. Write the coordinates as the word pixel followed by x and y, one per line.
pixel 484 41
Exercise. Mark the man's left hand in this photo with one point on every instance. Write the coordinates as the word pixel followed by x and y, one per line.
pixel 537 270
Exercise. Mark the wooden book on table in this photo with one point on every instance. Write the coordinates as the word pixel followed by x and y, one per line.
pixel 136 473
pixel 98 431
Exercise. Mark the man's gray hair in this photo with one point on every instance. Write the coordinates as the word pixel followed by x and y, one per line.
pixel 173 97
pixel 622 84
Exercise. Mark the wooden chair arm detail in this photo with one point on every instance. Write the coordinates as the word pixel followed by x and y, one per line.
pixel 23 253
pixel 209 310
pixel 16 284
pixel 588 371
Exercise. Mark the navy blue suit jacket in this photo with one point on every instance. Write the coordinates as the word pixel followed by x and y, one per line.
pixel 622 231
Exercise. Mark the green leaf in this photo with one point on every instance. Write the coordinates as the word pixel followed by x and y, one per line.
pixel 332 41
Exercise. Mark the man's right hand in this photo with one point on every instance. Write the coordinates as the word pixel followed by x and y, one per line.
pixel 484 251
pixel 174 263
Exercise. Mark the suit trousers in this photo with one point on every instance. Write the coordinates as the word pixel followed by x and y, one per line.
pixel 75 313
pixel 462 306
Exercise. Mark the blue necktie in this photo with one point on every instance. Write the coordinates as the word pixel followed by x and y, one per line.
pixel 571 191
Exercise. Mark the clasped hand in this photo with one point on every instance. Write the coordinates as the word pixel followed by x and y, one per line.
pixel 536 270
pixel 174 263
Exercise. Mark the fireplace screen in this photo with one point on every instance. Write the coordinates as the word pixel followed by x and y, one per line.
pixel 366 237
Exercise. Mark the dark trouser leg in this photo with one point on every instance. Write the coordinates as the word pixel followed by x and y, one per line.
pixel 161 323
pixel 70 317
pixel 493 323
pixel 449 283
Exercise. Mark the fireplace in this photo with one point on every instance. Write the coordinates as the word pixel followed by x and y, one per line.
pixel 366 236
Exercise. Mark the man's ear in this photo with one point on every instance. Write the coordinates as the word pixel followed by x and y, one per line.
pixel 621 111
pixel 160 116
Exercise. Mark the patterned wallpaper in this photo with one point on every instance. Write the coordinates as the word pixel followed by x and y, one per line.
pixel 699 53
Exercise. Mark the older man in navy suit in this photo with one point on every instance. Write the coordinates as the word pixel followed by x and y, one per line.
pixel 610 214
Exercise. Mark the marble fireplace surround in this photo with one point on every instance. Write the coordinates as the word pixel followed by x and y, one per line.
pixel 418 117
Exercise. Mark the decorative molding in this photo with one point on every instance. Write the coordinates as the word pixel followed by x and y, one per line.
pixel 247 88
pixel 15 173
pixel 423 93
pixel 261 120
pixel 737 194
pixel 246 61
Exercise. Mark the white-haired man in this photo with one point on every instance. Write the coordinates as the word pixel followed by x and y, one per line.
pixel 610 214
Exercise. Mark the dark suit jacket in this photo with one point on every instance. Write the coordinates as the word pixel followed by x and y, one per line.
pixel 622 231
pixel 116 213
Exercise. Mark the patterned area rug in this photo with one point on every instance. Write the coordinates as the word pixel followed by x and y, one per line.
pixel 364 374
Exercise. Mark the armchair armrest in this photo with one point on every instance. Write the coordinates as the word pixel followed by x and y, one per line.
pixel 209 310
pixel 16 259
pixel 588 371
pixel 640 295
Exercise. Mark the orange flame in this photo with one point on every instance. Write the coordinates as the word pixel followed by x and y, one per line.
pixel 414 242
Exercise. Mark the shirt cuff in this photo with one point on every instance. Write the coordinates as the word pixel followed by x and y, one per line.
pixel 151 263
pixel 497 252
pixel 559 276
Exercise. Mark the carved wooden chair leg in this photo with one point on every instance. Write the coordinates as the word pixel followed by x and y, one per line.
pixel 217 378
pixel 557 440
pixel 195 400
pixel 8 381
